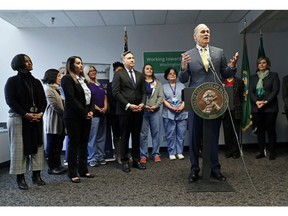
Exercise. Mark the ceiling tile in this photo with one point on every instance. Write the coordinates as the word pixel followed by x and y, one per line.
pixel 60 18
pixel 85 18
pixel 213 16
pixel 117 17
pixel 21 19
pixel 182 17
pixel 155 17
pixel 236 16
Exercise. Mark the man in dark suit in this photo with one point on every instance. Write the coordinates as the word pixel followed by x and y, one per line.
pixel 199 72
pixel 128 88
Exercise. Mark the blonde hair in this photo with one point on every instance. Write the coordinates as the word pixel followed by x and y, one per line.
pixel 86 73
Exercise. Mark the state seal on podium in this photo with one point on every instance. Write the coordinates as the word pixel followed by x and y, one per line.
pixel 209 100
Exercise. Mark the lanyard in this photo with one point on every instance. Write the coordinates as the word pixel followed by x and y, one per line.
pixel 173 90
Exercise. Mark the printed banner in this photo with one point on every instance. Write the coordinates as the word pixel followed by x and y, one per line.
pixel 163 60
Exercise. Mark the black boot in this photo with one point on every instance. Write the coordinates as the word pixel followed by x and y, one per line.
pixel 272 155
pixel 21 182
pixel 36 178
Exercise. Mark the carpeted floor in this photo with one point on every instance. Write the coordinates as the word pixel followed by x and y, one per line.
pixel 162 184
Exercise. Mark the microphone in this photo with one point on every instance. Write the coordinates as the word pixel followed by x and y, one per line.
pixel 214 71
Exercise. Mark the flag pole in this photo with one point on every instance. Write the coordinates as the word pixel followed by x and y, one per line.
pixel 125 39
pixel 241 131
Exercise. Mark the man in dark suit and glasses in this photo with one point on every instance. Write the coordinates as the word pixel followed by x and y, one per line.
pixel 199 71
pixel 128 88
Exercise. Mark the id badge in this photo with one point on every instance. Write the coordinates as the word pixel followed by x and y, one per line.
pixel 174 99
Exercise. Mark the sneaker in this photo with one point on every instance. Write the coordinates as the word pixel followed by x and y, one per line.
pixel 172 157
pixel 157 159
pixel 93 163
pixel 180 156
pixel 103 162
pixel 143 160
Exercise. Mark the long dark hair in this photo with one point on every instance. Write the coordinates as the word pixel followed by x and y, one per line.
pixel 70 67
pixel 143 71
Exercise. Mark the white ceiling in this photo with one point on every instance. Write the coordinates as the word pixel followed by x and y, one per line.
pixel 269 20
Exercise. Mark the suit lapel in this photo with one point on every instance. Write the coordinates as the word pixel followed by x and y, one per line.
pixel 195 52
pixel 129 78
pixel 212 53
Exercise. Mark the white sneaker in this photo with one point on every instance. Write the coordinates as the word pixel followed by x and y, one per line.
pixel 180 156
pixel 172 157
pixel 93 164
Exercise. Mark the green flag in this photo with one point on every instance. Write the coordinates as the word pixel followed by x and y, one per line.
pixel 245 75
pixel 261 52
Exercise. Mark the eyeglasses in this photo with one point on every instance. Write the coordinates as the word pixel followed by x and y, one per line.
pixel 92 71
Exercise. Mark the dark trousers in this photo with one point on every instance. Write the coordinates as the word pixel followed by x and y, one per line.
pixel 266 123
pixel 108 146
pixel 115 125
pixel 54 145
pixel 230 138
pixel 130 124
pixel 196 133
pixel 78 131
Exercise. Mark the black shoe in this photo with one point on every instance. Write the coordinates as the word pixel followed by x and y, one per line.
pixel 193 177
pixel 228 155
pixel 236 156
pixel 64 169
pixel 88 175
pixel 260 155
pixel 36 178
pixel 21 182
pixel 218 176
pixel 75 179
pixel 138 165
pixel 126 167
pixel 55 171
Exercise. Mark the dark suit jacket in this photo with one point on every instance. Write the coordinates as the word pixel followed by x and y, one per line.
pixel 285 92
pixel 196 70
pixel 125 93
pixel 75 102
pixel 271 85
pixel 111 99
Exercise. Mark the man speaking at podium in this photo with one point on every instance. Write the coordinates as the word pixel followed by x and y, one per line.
pixel 202 64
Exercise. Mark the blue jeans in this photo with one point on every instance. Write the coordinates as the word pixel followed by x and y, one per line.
pixel 150 120
pixel 175 134
pixel 97 139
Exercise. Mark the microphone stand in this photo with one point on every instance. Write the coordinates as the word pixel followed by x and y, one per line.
pixel 211 66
